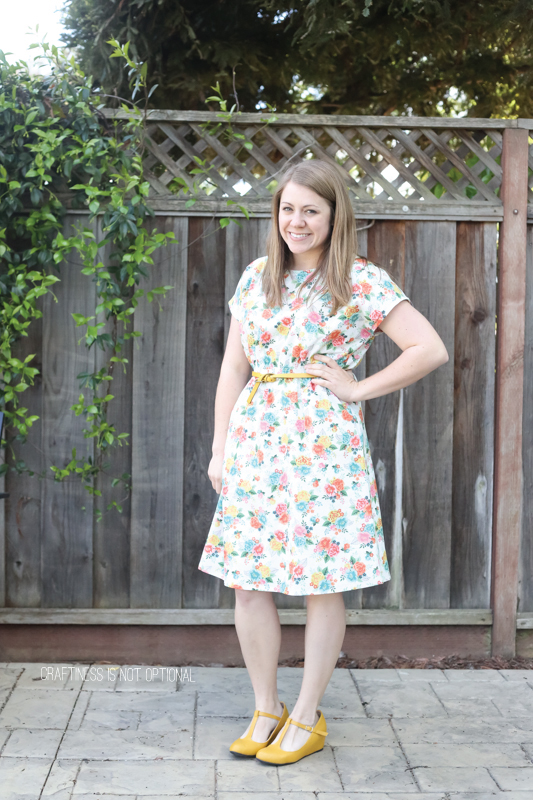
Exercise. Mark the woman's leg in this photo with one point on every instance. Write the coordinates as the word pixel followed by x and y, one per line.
pixel 324 635
pixel 259 632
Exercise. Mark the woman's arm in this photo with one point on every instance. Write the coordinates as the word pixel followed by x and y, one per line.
pixel 423 351
pixel 234 375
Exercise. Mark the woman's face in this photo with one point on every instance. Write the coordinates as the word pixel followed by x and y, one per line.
pixel 304 224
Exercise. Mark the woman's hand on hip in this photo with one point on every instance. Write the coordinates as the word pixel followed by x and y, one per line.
pixel 340 381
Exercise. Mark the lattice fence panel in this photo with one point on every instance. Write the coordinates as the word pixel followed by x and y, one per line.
pixel 381 164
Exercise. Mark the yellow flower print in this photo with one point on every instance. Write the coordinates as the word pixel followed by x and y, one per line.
pixel 316 577
pixel 303 461
pixel 228 547
pixel 324 404
pixel 250 340
pixel 324 441
pixel 275 544
pixel 333 516
pixel 303 497
pixel 265 571
pixel 285 439
pixel 245 485
pixel 231 511
pixel 213 539
pixel 229 463
pixel 283 330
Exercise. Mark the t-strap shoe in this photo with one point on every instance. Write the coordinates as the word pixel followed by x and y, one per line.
pixel 246 746
pixel 273 754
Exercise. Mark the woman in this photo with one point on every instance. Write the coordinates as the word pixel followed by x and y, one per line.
pixel 298 511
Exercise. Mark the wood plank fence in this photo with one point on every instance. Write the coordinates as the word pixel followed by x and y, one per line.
pixel 443 205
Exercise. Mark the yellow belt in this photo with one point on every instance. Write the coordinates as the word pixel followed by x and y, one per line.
pixel 265 377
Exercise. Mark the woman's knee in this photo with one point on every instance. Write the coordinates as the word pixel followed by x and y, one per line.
pixel 246 598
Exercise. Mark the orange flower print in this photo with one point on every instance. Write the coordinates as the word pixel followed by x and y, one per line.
pixel 360 568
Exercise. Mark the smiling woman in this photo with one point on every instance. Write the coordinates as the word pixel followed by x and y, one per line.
pixel 298 511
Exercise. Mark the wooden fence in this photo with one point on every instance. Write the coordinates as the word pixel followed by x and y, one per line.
pixel 430 196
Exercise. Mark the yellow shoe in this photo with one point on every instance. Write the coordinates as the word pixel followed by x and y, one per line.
pixel 273 754
pixel 246 746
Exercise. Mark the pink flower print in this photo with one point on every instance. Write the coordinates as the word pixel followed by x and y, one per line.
pixel 373 489
pixel 258 549
pixel 298 571
pixel 300 530
pixel 365 334
pixel 265 337
pixel 355 441
pixel 300 425
pixel 267 313
pixel 360 568
pixel 280 535
pixel 314 317
pixel 329 489
pixel 376 316
pixel 287 321
pixel 255 523
pixel 281 508
pixel 333 550
pixel 363 537
pixel 325 543
pixel 284 479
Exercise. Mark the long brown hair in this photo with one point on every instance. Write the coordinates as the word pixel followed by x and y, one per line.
pixel 340 249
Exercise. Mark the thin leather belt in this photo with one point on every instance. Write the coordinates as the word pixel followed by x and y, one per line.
pixel 266 377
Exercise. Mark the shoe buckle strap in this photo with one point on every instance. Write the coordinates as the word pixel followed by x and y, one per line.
pixel 305 727
pixel 264 714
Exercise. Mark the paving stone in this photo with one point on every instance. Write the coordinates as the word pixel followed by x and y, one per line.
pixel 125 745
pixel 23 776
pixel 518 778
pixel 149 678
pixel 61 779
pixel 377 675
pixel 473 675
pixel 177 702
pixel 27 743
pixel 342 704
pixel 314 773
pixel 270 796
pixel 419 796
pixel 4 736
pixel 8 678
pixel 510 699
pixel 466 755
pixel 101 678
pixel 165 721
pixel 468 730
pixel 373 768
pixel 245 775
pixel 228 704
pixel 455 779
pixel 415 795
pixel 113 720
pixel 214 736
pixel 53 676
pixel 518 675
pixel 415 699
pixel 218 679
pixel 433 675
pixel 78 712
pixel 146 778
pixel 37 708
pixel 360 733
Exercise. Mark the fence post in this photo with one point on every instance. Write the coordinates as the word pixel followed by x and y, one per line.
pixel 507 511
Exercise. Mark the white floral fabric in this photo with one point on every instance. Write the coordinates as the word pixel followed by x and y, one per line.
pixel 299 512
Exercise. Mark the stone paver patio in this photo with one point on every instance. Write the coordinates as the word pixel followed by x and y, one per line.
pixel 86 732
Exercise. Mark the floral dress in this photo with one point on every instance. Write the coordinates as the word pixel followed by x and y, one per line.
pixel 298 511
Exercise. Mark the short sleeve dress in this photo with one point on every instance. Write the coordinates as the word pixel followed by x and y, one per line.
pixel 298 512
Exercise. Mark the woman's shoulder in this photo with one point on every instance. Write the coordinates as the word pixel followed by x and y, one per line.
pixel 365 270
